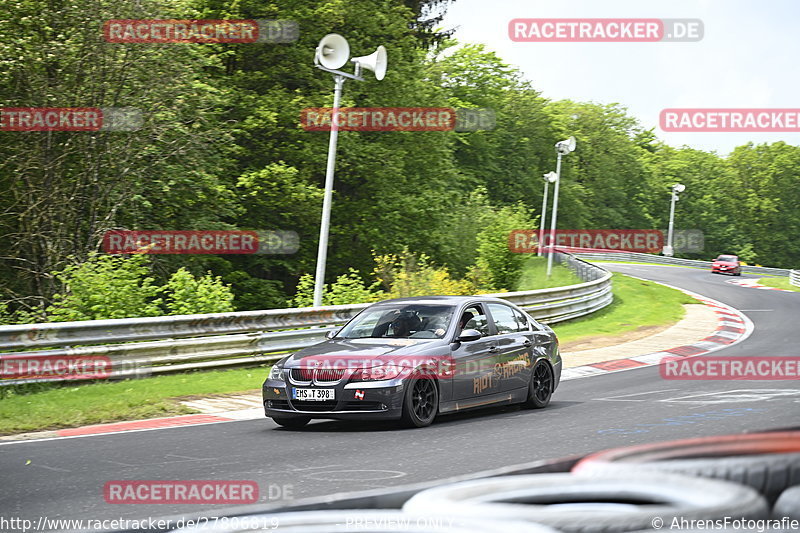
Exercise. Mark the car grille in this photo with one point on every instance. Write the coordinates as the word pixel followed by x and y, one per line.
pixel 327 375
pixel 302 405
pixel 302 374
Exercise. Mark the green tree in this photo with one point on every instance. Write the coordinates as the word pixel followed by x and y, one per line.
pixel 63 190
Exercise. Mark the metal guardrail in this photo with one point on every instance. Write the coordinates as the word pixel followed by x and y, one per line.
pixel 794 277
pixel 663 260
pixel 153 345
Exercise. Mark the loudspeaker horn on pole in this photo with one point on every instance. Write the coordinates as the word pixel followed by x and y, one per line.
pixel 332 51
pixel 376 62
pixel 571 144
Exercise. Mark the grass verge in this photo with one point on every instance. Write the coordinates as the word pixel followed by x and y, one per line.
pixel 97 403
pixel 636 303
pixel 534 275
pixel 779 283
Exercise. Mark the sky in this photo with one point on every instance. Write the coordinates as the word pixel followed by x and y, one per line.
pixel 748 58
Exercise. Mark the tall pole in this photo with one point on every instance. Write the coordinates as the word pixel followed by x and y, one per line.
pixel 553 217
pixel 668 251
pixel 544 218
pixel 322 253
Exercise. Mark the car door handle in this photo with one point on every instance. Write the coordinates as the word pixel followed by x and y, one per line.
pixel 526 343
pixel 492 349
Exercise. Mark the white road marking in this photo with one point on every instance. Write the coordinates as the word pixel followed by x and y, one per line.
pixel 55 469
pixel 619 398
pixel 736 396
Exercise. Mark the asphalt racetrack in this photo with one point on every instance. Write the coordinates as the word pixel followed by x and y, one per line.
pixel 65 477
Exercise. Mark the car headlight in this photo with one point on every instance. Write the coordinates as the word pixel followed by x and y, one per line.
pixel 276 372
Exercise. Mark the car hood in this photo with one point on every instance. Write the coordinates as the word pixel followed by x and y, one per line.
pixel 725 263
pixel 376 350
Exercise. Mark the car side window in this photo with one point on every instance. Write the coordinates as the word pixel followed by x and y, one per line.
pixel 504 319
pixel 522 321
pixel 481 323
pixel 473 317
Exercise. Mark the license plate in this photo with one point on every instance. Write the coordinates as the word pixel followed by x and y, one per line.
pixel 318 395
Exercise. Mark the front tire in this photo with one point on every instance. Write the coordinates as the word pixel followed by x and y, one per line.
pixel 420 403
pixel 292 423
pixel 540 389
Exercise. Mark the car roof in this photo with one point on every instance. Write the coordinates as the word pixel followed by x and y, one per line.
pixel 442 300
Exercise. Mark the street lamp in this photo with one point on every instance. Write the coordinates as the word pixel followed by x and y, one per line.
pixel 676 190
pixel 549 178
pixel 332 54
pixel 562 148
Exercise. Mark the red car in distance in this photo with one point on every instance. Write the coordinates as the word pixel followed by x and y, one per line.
pixel 727 264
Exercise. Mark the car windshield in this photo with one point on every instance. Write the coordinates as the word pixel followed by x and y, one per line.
pixel 400 321
pixel 727 258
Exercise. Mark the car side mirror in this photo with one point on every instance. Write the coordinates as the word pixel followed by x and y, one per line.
pixel 469 335
pixel 332 333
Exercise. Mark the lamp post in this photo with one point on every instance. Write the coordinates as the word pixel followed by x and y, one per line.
pixel 562 148
pixel 549 178
pixel 332 54
pixel 675 191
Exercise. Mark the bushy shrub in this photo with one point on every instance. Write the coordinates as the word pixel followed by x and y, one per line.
pixel 105 286
pixel 406 274
pixel 109 286
pixel 188 295
pixel 347 289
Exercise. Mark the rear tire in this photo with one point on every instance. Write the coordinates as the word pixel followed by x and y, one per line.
pixel 592 504
pixel 292 423
pixel 540 389
pixel 767 462
pixel 420 402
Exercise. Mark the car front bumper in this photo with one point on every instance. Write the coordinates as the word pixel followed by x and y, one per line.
pixel 368 400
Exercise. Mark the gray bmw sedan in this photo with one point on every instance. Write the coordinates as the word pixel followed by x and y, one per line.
pixel 411 359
